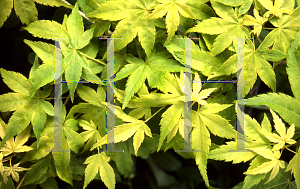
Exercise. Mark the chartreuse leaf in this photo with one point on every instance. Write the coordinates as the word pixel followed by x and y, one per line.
pixel 294 164
pixel 54 3
pixel 46 143
pixel 275 9
pixel 233 3
pixel 88 6
pixel 47 29
pixel 170 119
pixel 75 59
pixel 133 22
pixel 228 153
pixel 286 106
pixel 293 66
pixel 13 171
pixel 124 160
pixel 62 162
pixel 284 137
pixel 98 163
pixel 76 48
pixel 153 69
pixel 15 81
pixel 266 167
pixel 251 180
pixel 256 22
pixel 285 32
pixel 228 26
pixel 94 110
pixel 37 171
pixel 201 141
pixel 16 145
pixel 45 72
pixel 203 61
pixel 171 9
pixel 141 111
pixel 27 110
pixel 26 11
pixel 91 133
pixel 74 139
pixel 6 7
pixel 123 132
pixel 255 63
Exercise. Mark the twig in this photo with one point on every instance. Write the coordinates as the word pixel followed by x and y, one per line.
pixel 155 113
pixel 92 58
pixel 20 183
pixel 67 100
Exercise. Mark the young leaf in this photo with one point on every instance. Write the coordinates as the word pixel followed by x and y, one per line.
pixel 228 26
pixel 278 38
pixel 153 69
pixel 276 10
pixel 255 63
pixel 98 163
pixel 172 9
pixel 133 22
pixel 13 171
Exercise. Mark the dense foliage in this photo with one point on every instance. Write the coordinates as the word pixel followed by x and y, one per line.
pixel 150 94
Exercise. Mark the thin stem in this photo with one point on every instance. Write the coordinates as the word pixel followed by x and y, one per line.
pixel 155 113
pixel 54 98
pixel 268 28
pixel 92 58
pixel 67 100
pixel 259 40
pixel 291 150
pixel 8 158
pixel 20 183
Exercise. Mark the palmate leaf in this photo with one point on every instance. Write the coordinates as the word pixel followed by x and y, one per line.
pixel 123 132
pixel 77 49
pixel 286 106
pixel 98 163
pixel 14 145
pixel 255 63
pixel 275 9
pixel 153 69
pixel 284 136
pixel 286 30
pixel 266 167
pixel 33 110
pixel 228 26
pixel 13 171
pixel 91 133
pixel 26 9
pixel 257 22
pixel 202 61
pixel 171 8
pixel 133 22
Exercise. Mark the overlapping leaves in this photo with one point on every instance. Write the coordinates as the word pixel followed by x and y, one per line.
pixel 75 45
